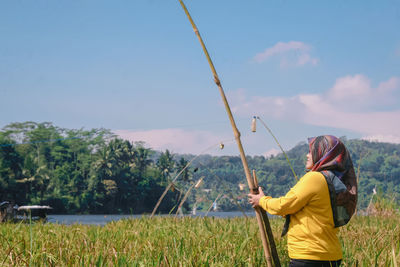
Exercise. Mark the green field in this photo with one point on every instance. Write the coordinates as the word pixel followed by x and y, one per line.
pixel 366 241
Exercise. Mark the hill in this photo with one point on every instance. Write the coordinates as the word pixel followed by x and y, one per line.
pixel 93 171
pixel 377 165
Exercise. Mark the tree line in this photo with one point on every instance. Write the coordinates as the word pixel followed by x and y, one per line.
pixel 94 171
pixel 81 171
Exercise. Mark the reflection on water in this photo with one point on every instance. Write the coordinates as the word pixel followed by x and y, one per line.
pixel 103 219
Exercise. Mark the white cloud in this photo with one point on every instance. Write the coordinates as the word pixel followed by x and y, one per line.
pixel 383 138
pixel 306 58
pixel 357 92
pixel 389 86
pixel 176 140
pixel 357 86
pixel 351 104
pixel 292 53
pixel 271 152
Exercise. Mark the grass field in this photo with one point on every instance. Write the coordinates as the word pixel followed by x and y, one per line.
pixel 366 241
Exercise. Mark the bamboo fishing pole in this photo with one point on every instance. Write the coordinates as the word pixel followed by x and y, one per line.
pixel 175 178
pixel 195 185
pixel 264 215
pixel 212 204
pixel 225 188
pixel 236 132
pixel 230 195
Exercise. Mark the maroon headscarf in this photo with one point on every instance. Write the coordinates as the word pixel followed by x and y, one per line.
pixel 330 154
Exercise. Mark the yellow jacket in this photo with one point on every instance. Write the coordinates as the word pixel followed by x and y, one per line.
pixel 311 234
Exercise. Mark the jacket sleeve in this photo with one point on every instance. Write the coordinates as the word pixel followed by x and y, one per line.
pixel 295 199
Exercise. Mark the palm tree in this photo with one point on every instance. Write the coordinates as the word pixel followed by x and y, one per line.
pixel 141 160
pixel 166 163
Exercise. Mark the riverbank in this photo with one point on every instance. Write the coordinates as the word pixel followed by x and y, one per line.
pixel 166 241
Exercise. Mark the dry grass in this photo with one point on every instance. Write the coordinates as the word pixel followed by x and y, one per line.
pixel 371 241
pixel 367 241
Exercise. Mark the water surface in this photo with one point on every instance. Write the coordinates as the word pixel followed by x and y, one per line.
pixel 104 219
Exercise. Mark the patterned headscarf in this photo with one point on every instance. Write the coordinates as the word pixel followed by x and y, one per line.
pixel 330 154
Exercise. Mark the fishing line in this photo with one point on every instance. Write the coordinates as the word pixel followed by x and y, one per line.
pixel 253 129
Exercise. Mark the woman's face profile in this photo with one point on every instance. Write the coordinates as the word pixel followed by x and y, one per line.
pixel 309 162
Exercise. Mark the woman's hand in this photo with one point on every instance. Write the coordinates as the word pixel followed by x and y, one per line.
pixel 254 199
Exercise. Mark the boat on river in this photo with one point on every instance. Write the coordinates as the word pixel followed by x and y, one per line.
pixel 10 212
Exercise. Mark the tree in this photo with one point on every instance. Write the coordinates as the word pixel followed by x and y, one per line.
pixel 141 159
pixel 10 169
pixel 181 165
pixel 166 163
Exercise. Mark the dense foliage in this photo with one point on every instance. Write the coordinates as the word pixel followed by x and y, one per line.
pixel 93 171
pixel 79 171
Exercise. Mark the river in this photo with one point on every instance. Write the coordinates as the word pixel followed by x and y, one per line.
pixel 104 219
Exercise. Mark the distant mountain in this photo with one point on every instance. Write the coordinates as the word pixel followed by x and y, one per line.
pixel 377 165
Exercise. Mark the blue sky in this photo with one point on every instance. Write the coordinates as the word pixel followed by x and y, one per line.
pixel 135 67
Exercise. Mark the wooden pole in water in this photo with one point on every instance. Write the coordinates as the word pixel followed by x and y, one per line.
pixel 236 132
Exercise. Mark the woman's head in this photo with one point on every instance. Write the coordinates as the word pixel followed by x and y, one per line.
pixel 328 153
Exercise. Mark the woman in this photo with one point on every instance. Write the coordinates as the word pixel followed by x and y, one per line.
pixel 310 207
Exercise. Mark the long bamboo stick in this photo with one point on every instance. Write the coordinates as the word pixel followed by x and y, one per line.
pixel 234 128
pixel 183 200
pixel 267 226
pixel 176 177
pixel 225 187
pixel 187 194
pixel 212 204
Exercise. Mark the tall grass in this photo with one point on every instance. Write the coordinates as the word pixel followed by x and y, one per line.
pixel 371 241
pixel 366 241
